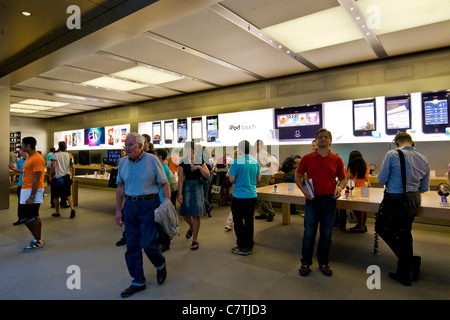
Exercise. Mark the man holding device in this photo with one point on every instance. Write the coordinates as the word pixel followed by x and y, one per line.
pixel 322 167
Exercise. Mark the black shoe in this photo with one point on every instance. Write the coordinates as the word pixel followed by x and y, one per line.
pixel 402 279
pixel 164 248
pixel 270 218
pixel 65 206
pixel 304 270
pixel 326 271
pixel 128 292
pixel 121 242
pixel 161 275
pixel 72 214
pixel 416 267
pixel 18 222
pixel 261 217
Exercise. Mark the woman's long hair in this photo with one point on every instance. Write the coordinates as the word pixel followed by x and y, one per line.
pixel 357 165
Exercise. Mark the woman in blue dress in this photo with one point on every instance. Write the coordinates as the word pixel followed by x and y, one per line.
pixel 192 169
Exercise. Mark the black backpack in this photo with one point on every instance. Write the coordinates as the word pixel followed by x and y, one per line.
pixel 288 164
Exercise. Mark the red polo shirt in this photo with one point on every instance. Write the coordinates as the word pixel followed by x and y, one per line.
pixel 322 170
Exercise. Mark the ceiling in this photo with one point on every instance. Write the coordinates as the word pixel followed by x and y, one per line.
pixel 201 44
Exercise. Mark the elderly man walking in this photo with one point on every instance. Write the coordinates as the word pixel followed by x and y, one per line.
pixel 139 178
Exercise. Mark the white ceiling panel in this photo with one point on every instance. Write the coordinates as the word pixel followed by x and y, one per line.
pixel 229 43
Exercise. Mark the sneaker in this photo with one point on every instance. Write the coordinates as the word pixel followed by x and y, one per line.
pixel 33 245
pixel 325 269
pixel 304 270
pixel 241 251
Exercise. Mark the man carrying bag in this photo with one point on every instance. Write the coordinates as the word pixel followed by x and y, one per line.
pixel 406 174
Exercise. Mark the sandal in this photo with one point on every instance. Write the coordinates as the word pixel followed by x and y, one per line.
pixel 56 214
pixel 194 245
pixel 189 233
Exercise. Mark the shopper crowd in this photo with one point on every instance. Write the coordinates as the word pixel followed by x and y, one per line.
pixel 188 177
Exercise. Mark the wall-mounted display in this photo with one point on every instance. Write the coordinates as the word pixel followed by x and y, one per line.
pixel 168 132
pixel 298 122
pixel 435 112
pixel 93 137
pixel 364 117
pixel 196 129
pixel 113 157
pixel 109 137
pixel 156 137
pixel 398 114
pixel 212 128
pixel 182 130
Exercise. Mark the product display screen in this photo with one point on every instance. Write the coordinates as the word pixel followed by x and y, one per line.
pixel 398 114
pixel 156 132
pixel 212 128
pixel 435 112
pixel 113 157
pixel 196 125
pixel 168 131
pixel 94 136
pixel 182 130
pixel 299 122
pixel 363 117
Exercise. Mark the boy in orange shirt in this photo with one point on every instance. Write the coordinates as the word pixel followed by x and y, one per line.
pixel 32 192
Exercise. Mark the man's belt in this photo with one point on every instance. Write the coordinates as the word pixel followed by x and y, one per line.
pixel 140 198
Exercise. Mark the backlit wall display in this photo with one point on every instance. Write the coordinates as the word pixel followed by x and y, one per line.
pixel 110 137
pixel 249 125
pixel 299 122
pixel 435 112
pixel 94 137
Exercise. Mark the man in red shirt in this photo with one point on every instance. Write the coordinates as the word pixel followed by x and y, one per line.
pixel 322 168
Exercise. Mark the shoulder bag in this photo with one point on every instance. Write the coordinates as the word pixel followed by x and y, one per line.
pixel 393 213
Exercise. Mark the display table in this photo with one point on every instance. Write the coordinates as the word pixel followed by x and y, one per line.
pixel 88 180
pixel 430 207
pixel 434 182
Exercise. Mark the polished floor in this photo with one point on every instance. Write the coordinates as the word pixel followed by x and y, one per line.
pixel 212 272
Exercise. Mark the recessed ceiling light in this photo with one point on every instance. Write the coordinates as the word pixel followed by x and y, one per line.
pixel 38 102
pixel 147 75
pixel 26 13
pixel 309 32
pixel 28 107
pixel 115 84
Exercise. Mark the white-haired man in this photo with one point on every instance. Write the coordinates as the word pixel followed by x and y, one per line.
pixel 139 178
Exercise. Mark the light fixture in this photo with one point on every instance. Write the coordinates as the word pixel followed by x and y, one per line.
pixel 147 75
pixel 26 13
pixel 29 107
pixel 318 30
pixel 15 110
pixel 107 82
pixel 39 102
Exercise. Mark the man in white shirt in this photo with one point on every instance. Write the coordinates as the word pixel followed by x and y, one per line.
pixel 62 167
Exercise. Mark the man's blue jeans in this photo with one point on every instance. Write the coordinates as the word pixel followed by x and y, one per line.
pixel 320 211
pixel 141 233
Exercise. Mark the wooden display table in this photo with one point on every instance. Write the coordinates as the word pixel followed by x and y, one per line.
pixel 430 207
pixel 88 180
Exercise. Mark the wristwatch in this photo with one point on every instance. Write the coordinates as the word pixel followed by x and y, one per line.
pixel 32 197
